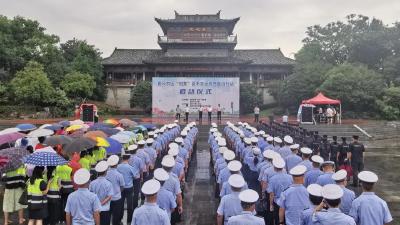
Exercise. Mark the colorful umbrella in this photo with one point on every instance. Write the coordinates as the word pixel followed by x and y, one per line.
pixel 76 122
pixel 13 150
pixel 123 139
pixel 10 130
pixel 54 127
pixel 113 122
pixel 57 140
pixel 45 159
pixel 40 133
pixel 129 133
pixel 106 130
pixel 127 123
pixel 64 123
pixel 10 162
pixel 79 144
pixel 44 125
pixel 95 133
pixel 45 149
pixel 74 127
pixel 114 148
pixel 102 142
pixel 77 134
pixel 11 137
pixel 26 126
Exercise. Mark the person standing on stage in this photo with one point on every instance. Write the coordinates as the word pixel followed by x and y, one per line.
pixel 201 113
pixel 219 112
pixel 178 113
pixel 256 114
pixel 209 110
pixel 187 113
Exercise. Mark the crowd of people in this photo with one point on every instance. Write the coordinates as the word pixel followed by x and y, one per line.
pixel 93 187
pixel 201 108
pixel 283 174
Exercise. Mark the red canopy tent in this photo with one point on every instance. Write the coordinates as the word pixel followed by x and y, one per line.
pixel 321 99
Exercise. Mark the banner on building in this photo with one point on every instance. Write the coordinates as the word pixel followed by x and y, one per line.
pixel 169 92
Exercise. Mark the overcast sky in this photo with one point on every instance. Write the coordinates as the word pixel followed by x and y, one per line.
pixel 130 23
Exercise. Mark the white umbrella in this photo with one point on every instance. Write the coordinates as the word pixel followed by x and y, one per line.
pixel 77 122
pixel 10 130
pixel 44 125
pixel 123 139
pixel 40 133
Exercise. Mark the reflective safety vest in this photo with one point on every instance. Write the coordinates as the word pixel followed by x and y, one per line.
pixel 64 172
pixel 103 153
pixel 92 160
pixel 96 155
pixel 15 179
pixel 84 163
pixel 54 188
pixel 36 199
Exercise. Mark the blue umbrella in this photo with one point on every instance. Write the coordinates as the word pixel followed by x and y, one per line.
pixel 149 126
pixel 54 127
pixel 26 126
pixel 64 123
pixel 45 159
pixel 114 148
pixel 106 130
pixel 103 125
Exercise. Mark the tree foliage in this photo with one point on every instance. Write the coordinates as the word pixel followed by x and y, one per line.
pixel 78 85
pixel 142 96
pixel 249 98
pixel 31 85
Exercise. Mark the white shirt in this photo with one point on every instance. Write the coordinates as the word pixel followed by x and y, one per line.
pixel 329 112
pixel 187 109
pixel 285 119
pixel 201 108
pixel 256 110
pixel 209 109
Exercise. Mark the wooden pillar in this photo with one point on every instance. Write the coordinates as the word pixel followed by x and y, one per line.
pixel 144 76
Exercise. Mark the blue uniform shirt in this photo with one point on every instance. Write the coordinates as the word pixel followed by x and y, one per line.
pixel 103 189
pixel 166 200
pixel 285 151
pixel 347 200
pixel 307 163
pixel 149 214
pixel 129 173
pixel 226 189
pixel 246 218
pixel 325 179
pixel 294 200
pixel 117 181
pixel 229 206
pixel 369 209
pixel 278 183
pixel 82 204
pixel 311 176
pixel 292 160
pixel 306 216
pixel 172 184
pixel 332 216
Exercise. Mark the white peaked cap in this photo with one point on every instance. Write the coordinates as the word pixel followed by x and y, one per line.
pixel 317 159
pixel 151 133
pixel 332 163
pixel 173 145
pixel 173 151
pixel 261 132
pixel 278 162
pixel 247 140
pixel 339 175
pixel 288 139
pixel 278 139
pixel 269 154
pixel 270 138
pixel 184 133
pixel 222 149
pixel 132 147
pixel 101 166
pixel 248 196
pixel 236 181
pixel 306 151
pixel 81 176
pixel 151 187
pixel 368 176
pixel 234 165
pixel 298 170
pixel 141 142
pixel 178 140
pixel 160 174
pixel 214 125
pixel 315 190
pixel 149 140
pixel 168 161
pixel 332 192
pixel 254 139
pixel 113 160
pixel 295 146
pixel 229 155
pixel 256 151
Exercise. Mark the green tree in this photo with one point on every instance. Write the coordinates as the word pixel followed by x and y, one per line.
pixel 142 96
pixel 389 105
pixel 31 85
pixel 3 93
pixel 249 98
pixel 78 85
pixel 355 85
pixel 85 58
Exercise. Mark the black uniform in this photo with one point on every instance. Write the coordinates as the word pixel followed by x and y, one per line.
pixel 334 151
pixel 324 150
pixel 357 159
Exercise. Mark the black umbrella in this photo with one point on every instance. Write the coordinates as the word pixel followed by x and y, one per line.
pixel 58 140
pixel 79 144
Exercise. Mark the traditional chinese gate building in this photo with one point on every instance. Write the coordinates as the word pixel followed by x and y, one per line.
pixel 193 46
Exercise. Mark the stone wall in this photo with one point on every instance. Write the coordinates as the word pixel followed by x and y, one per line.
pixel 119 97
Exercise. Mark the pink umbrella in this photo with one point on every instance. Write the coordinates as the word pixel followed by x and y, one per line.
pixel 11 137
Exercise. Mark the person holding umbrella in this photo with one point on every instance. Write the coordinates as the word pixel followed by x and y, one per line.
pixel 37 197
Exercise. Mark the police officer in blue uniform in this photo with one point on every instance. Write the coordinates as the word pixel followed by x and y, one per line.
pixel 315 197
pixel 313 174
pixel 326 178
pixel 165 198
pixel 340 177
pixel 368 208
pixel 248 199
pixel 117 180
